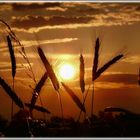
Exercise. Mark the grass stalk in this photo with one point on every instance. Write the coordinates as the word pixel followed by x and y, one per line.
pixel 92 99
pixel 38 108
pixel 83 103
pixel 51 75
pixel 44 115
pixel 29 129
pixel 37 91
pixel 139 77
pixel 12 106
pixel 61 106
pixel 11 93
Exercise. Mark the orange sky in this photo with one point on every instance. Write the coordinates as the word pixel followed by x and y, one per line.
pixel 63 30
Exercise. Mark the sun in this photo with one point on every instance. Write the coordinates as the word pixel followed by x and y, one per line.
pixel 66 71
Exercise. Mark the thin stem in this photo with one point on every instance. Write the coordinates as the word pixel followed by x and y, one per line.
pixel 79 116
pixel 12 107
pixel 24 55
pixel 42 106
pixel 83 103
pixel 59 97
pixel 81 111
pixel 31 70
pixel 92 99
pixel 28 125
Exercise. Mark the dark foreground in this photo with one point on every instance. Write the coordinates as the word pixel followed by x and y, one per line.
pixel 105 125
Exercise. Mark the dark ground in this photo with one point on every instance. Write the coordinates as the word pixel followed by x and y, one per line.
pixel 105 125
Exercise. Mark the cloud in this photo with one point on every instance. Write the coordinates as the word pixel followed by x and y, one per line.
pixel 113 80
pixel 51 41
pixel 38 21
pixel 127 79
pixel 6 66
pixel 28 43
pixel 109 85
pixel 57 9
pixel 5 6
pixel 5 49
pixel 33 6
pixel 117 77
pixel 71 15
pixel 29 21
pixel 39 16
pixel 132 59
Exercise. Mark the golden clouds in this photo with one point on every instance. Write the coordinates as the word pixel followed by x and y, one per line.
pixel 70 15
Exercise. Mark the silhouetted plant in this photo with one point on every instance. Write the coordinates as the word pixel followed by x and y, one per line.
pixel 36 91
pixel 74 97
pixel 96 72
pixel 13 63
pixel 51 75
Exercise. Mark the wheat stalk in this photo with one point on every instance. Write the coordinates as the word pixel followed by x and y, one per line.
pixel 49 69
pixel 82 77
pixel 82 72
pixel 96 58
pixel 11 93
pixel 51 75
pixel 107 65
pixel 13 64
pixel 74 97
pixel 38 108
pixel 139 77
pixel 100 71
pixel 39 87
pixel 37 90
pixel 84 99
pixel 97 72
pixel 22 52
pixel 12 56
pixel 94 69
pixel 24 55
pixel 61 106
pixel 11 33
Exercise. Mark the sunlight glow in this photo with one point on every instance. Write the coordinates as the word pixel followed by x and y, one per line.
pixel 66 71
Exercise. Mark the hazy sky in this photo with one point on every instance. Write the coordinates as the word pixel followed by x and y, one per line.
pixel 64 30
